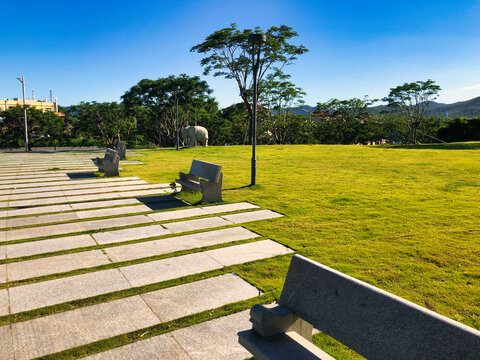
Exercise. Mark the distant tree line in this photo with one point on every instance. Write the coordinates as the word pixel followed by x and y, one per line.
pixel 147 113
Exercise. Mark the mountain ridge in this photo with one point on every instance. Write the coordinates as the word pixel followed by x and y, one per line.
pixel 467 108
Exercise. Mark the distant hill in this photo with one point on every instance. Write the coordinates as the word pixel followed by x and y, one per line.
pixel 469 108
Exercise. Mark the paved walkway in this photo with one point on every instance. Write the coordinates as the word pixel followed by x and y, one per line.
pixel 87 259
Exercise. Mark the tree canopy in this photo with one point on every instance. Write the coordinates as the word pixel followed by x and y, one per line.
pixel 412 101
pixel 158 98
pixel 228 54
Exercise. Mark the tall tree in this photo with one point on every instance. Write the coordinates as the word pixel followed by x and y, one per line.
pixel 229 54
pixel 158 98
pixel 278 97
pixel 344 121
pixel 412 101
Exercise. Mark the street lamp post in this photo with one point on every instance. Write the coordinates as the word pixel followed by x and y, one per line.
pixel 22 80
pixel 176 117
pixel 255 39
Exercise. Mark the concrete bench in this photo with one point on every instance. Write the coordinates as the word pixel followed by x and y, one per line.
pixel 205 177
pixel 370 321
pixel 122 150
pixel 109 164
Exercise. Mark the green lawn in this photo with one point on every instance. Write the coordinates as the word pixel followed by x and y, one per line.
pixel 405 219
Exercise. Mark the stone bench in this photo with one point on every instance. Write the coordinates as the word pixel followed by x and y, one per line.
pixel 122 150
pixel 109 164
pixel 370 321
pixel 205 177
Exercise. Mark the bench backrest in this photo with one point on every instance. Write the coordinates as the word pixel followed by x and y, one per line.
pixel 206 170
pixel 110 155
pixel 373 322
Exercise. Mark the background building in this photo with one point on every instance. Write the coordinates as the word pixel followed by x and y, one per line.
pixel 38 104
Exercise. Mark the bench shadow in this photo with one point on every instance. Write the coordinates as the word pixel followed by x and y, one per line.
pixel 163 202
pixel 81 175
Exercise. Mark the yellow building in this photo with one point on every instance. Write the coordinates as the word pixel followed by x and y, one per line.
pixel 41 105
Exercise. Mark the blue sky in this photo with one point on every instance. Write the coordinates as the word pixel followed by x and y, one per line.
pixel 96 50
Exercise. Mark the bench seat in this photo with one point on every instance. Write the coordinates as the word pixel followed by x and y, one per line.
pixel 285 346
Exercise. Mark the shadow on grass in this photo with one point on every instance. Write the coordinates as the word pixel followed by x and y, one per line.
pixel 447 146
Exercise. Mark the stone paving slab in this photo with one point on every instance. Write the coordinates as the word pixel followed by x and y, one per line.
pixel 55 264
pixel 99 190
pixel 112 211
pixel 143 232
pixel 59 229
pixel 3 252
pixel 6 343
pixel 57 291
pixel 113 195
pixel 198 296
pixel 196 224
pixel 167 269
pixel 103 203
pixel 213 340
pixel 177 243
pixel 248 252
pixel 178 214
pixel 81 191
pixel 251 216
pixel 159 347
pixel 48 184
pixel 74 186
pixel 215 209
pixel 38 220
pixel 3 273
pixel 216 339
pixel 35 210
pixel 3 223
pixel 31 179
pixel 114 222
pixel 48 230
pixel 49 245
pixel 36 202
pixel 145 192
pixel 3 303
pixel 35 168
pixel 54 333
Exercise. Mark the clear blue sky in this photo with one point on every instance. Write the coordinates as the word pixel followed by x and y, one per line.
pixel 96 50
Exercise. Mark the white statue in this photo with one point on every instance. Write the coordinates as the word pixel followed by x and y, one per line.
pixel 195 134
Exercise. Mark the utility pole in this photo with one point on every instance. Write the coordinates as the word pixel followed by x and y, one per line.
pixel 22 80
pixel 176 116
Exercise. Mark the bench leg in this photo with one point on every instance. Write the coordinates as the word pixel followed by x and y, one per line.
pixel 212 192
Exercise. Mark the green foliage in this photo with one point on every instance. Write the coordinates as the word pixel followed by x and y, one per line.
pixel 347 109
pixel 157 97
pixel 101 123
pixel 460 129
pixel 44 128
pixel 412 101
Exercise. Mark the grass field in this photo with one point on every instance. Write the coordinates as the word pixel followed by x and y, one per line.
pixel 405 219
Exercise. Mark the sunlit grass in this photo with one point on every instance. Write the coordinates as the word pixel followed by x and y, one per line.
pixel 401 218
